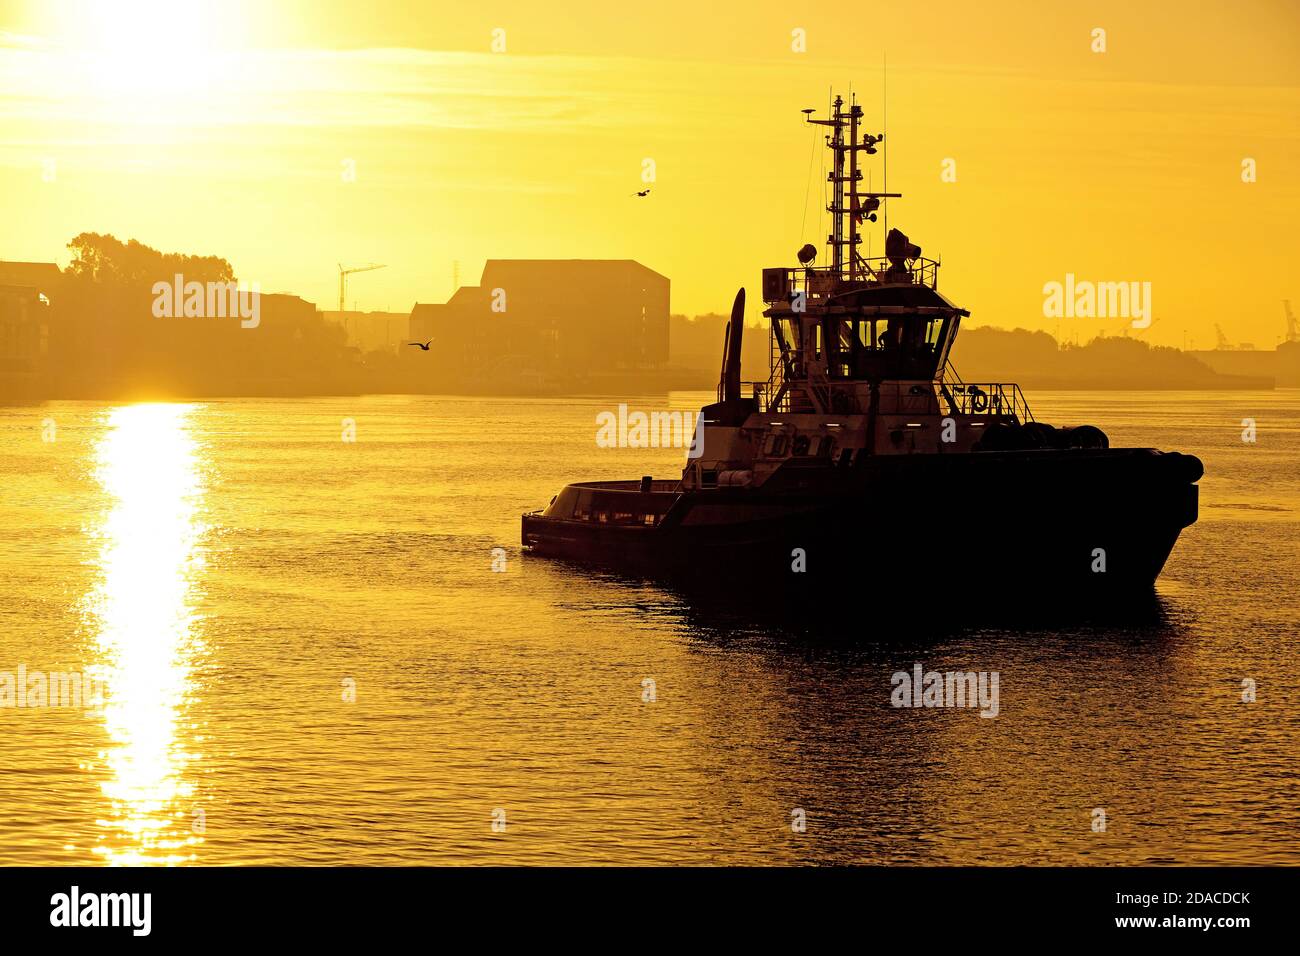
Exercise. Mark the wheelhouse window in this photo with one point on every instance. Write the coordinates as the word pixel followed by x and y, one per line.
pixel 776 446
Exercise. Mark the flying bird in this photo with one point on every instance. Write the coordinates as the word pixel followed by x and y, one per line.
pixel 644 192
pixel 424 346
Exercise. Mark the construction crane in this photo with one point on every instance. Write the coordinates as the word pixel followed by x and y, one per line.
pixel 343 279
pixel 1226 346
pixel 1292 334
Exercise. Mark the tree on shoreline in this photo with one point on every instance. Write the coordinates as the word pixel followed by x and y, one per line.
pixel 104 258
pixel 107 339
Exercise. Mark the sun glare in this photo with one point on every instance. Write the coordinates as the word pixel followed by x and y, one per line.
pixel 146 635
pixel 150 49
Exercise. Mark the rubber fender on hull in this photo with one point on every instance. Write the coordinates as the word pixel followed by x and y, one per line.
pixel 1188 468
pixel 1086 436
pixel 1005 436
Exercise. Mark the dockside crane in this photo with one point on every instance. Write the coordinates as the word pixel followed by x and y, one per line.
pixel 343 279
pixel 1292 333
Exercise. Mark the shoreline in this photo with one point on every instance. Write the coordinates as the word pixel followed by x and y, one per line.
pixel 136 398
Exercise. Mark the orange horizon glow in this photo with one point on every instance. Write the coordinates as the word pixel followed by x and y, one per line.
pixel 227 129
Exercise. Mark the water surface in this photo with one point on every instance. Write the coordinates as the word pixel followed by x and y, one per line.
pixel 308 658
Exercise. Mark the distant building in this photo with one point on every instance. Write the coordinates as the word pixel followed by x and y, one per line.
pixel 373 331
pixel 288 305
pixel 27 290
pixel 45 276
pixel 554 316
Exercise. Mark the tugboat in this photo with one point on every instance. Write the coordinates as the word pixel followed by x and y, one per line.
pixel 865 457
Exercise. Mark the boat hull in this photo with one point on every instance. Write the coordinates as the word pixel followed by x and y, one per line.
pixel 1103 520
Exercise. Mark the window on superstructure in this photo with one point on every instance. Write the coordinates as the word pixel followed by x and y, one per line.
pixel 776 446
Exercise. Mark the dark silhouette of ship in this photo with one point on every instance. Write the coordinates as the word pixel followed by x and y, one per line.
pixel 864 456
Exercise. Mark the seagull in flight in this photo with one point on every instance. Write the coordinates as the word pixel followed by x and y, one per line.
pixel 644 192
pixel 423 346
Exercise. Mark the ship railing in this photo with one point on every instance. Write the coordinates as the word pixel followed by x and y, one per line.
pixel 820 281
pixel 920 271
pixel 952 395
pixel 986 398
pixel 771 395
pixel 765 392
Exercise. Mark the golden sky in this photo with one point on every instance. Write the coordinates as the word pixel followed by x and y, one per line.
pixel 226 127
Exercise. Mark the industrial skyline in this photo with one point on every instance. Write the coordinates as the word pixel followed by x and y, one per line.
pixel 291 142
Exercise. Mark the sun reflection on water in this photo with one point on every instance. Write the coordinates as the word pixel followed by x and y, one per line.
pixel 146 634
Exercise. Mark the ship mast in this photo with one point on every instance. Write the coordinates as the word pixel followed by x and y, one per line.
pixel 851 210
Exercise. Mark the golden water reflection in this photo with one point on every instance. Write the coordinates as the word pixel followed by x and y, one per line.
pixel 146 636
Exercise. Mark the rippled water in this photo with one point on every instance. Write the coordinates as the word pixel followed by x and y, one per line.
pixel 230 571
